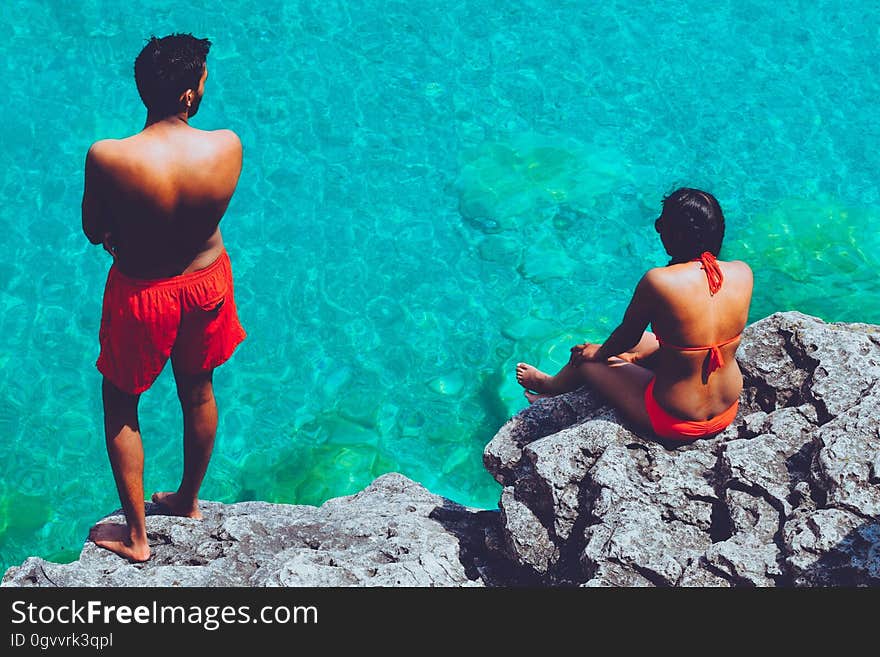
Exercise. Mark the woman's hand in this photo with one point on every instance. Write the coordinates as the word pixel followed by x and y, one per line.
pixel 630 357
pixel 584 353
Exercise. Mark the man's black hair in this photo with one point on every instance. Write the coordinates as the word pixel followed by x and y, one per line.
pixel 691 222
pixel 166 68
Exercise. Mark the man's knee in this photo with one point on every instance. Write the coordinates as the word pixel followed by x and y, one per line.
pixel 115 397
pixel 195 390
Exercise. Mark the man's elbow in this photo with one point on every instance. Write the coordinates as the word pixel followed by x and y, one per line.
pixel 94 236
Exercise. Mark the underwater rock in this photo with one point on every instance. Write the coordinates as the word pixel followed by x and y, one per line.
pixel 450 383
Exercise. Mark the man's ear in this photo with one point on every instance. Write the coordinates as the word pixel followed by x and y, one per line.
pixel 187 97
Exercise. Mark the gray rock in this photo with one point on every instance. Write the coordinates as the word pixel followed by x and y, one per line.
pixel 750 556
pixel 847 461
pixel 788 495
pixel 774 370
pixel 752 517
pixel 609 574
pixel 791 358
pixel 831 547
pixel 848 362
pixel 760 464
pixel 699 574
pixel 636 523
pixel 745 562
pixel 559 463
pixel 393 533
pixel 503 453
pixel 527 539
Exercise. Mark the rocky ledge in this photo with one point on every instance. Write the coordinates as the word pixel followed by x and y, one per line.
pixel 789 495
pixel 392 533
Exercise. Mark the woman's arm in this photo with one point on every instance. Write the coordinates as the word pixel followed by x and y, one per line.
pixel 635 320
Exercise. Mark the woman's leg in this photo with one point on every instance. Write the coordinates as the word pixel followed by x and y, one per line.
pixel 622 384
pixel 570 377
pixel 619 380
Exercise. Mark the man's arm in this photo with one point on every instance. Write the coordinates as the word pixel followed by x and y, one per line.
pixel 94 215
pixel 635 320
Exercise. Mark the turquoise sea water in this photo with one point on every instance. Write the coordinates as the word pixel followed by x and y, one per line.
pixel 431 193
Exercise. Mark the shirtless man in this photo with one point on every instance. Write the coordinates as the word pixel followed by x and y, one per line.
pixel 155 200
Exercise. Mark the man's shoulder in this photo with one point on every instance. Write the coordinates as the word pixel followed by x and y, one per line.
pixel 102 154
pixel 224 145
pixel 106 151
pixel 103 148
pixel 224 137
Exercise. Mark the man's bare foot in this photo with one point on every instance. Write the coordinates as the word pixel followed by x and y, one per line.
pixel 533 397
pixel 175 506
pixel 117 538
pixel 531 378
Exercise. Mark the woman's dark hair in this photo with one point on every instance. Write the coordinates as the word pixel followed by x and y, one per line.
pixel 691 222
pixel 166 68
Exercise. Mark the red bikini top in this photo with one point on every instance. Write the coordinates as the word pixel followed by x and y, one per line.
pixel 714 278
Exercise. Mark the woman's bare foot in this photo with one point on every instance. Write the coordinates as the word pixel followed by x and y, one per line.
pixel 531 378
pixel 533 397
pixel 176 506
pixel 117 538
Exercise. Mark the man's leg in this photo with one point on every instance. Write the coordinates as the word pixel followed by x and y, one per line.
pixel 196 393
pixel 126 453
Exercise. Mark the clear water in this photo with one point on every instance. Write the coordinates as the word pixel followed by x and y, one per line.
pixel 431 192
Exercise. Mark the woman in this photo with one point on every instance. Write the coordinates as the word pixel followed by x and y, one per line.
pixel 682 381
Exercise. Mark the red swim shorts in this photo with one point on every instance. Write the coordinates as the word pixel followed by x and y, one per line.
pixel 666 425
pixel 191 318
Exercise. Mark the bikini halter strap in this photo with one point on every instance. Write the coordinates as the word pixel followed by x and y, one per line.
pixel 712 269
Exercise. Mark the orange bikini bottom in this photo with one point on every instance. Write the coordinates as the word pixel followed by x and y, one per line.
pixel 668 426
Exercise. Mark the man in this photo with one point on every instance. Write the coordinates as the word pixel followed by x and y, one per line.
pixel 155 200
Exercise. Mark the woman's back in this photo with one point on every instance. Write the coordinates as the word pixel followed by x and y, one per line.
pixel 690 321
pixel 681 382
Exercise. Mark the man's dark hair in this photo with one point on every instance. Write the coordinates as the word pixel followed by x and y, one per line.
pixel 691 222
pixel 166 68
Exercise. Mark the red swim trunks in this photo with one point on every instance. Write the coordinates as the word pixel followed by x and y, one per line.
pixel 191 318
pixel 668 426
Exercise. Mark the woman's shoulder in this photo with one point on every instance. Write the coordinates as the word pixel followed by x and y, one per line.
pixel 654 276
pixel 738 267
pixel 671 277
pixel 659 280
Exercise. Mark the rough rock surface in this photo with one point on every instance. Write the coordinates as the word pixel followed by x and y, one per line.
pixel 789 495
pixel 393 533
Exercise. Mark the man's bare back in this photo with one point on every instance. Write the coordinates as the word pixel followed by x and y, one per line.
pixel 160 195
